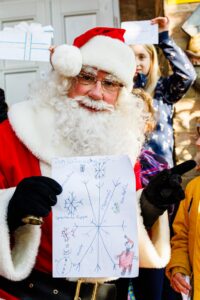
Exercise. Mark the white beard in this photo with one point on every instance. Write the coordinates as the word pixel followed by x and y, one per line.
pixel 80 132
pixel 96 133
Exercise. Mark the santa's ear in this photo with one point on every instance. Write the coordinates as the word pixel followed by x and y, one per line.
pixel 66 60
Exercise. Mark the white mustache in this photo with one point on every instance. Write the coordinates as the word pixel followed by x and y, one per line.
pixel 98 105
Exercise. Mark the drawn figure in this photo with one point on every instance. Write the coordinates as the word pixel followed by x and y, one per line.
pixel 126 257
pixel 71 204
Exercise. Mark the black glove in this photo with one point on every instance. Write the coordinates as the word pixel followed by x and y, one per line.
pixel 3 106
pixel 33 196
pixel 163 190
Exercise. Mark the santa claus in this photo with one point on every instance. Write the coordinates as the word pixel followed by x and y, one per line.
pixel 84 107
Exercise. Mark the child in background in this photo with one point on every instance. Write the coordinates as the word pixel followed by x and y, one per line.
pixel 150 162
pixel 185 263
pixel 150 165
pixel 165 91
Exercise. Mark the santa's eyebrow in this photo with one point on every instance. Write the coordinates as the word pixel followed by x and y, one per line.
pixel 112 78
pixel 93 71
pixel 89 70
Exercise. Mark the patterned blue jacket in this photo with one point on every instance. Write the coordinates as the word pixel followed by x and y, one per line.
pixel 167 92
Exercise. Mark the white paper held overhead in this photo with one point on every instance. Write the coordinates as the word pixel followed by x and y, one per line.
pixel 140 32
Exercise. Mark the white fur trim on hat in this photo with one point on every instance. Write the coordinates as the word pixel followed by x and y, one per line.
pixel 67 60
pixel 103 52
pixel 110 55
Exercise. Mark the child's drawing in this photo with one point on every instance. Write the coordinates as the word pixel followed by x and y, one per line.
pixel 95 218
pixel 126 257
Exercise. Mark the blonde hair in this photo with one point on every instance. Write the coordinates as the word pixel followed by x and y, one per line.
pixel 154 70
pixel 148 102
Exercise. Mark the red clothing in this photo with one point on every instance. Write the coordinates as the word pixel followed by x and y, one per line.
pixel 17 162
pixel 137 171
pixel 5 296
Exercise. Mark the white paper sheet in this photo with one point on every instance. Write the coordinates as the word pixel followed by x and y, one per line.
pixel 184 296
pixel 26 42
pixel 140 32
pixel 94 220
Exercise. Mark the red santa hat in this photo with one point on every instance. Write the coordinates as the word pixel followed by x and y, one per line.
pixel 100 47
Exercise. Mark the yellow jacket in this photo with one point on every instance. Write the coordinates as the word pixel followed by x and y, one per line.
pixel 185 257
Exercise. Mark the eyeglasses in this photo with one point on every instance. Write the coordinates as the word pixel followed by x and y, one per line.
pixel 90 80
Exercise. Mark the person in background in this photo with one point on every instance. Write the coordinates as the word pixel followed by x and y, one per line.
pixel 166 91
pixel 3 107
pixel 83 108
pixel 183 269
pixel 150 165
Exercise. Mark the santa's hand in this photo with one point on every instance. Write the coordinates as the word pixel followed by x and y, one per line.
pixel 179 284
pixel 33 196
pixel 163 190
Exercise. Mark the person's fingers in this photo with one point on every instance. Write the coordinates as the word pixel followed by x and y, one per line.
pixel 49 182
pixel 175 180
pixel 39 211
pixel 175 288
pixel 179 288
pixel 159 20
pixel 163 23
pixel 181 279
pixel 179 284
pixel 183 167
pixel 44 197
pixel 52 49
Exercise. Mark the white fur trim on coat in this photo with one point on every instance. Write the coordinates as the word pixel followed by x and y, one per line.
pixel 154 252
pixel 14 265
pixel 34 129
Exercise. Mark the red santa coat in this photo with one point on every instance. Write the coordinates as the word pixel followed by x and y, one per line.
pixel 17 162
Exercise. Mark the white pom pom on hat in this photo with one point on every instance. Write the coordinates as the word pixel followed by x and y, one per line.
pixel 100 47
pixel 67 60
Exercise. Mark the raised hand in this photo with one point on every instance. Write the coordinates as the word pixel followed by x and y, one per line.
pixel 163 23
pixel 163 190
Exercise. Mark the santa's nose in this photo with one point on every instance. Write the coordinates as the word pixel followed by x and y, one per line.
pixel 96 92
